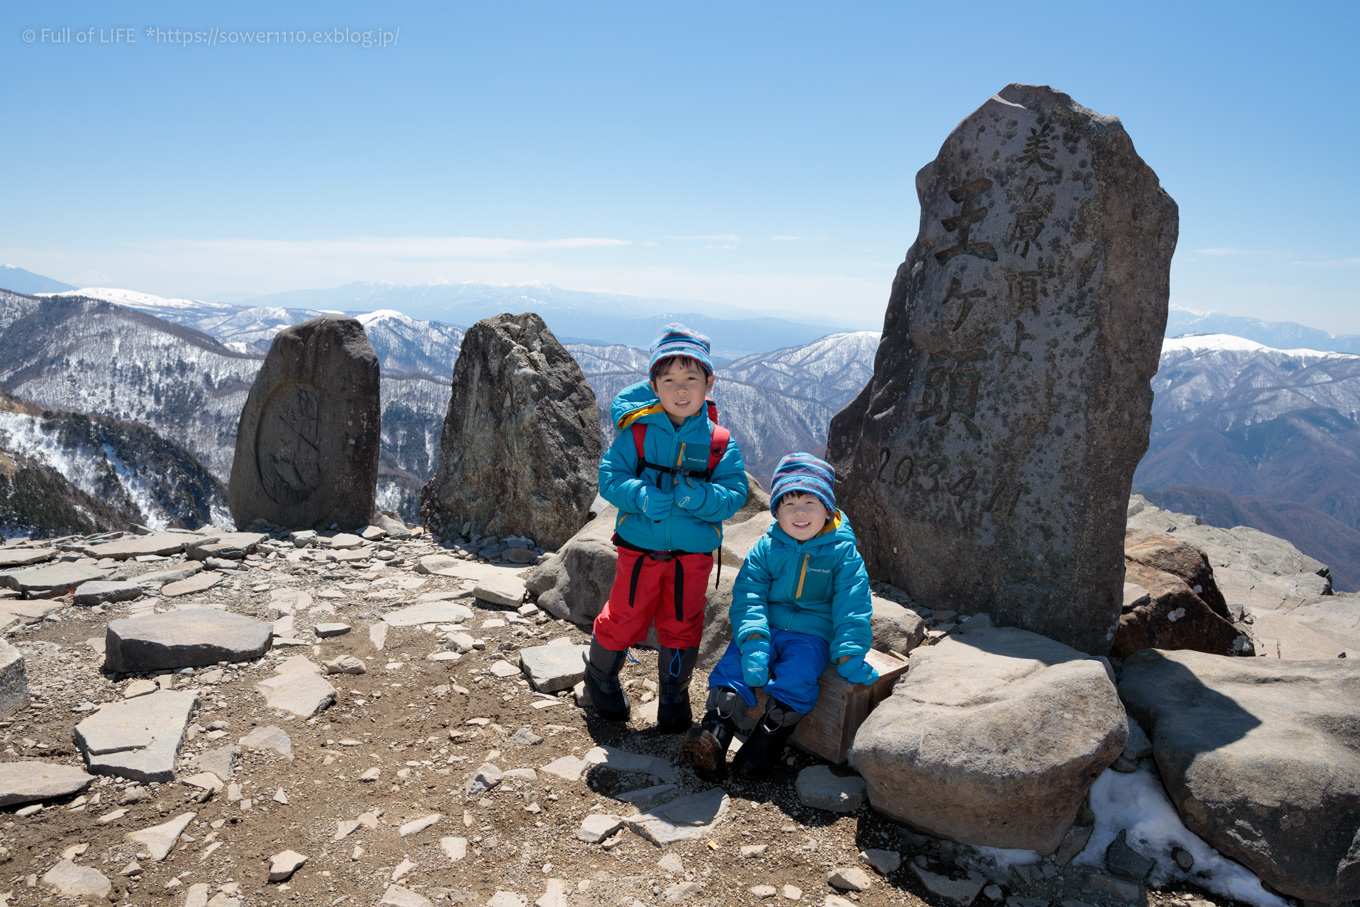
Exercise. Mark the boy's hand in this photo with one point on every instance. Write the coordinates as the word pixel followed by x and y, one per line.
pixel 654 502
pixel 690 495
pixel 755 661
pixel 857 670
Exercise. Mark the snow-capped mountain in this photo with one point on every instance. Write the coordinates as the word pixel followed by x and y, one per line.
pixel 1274 334
pixel 91 356
pixel 1246 434
pixel 66 473
pixel 1221 381
pixel 831 369
pixel 403 344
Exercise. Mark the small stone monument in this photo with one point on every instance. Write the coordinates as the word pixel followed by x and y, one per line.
pixel 987 464
pixel 520 452
pixel 307 443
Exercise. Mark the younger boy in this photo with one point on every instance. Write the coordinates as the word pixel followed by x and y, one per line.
pixel 800 602
pixel 671 508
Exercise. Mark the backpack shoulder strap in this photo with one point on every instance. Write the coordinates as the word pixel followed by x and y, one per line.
pixel 639 430
pixel 717 446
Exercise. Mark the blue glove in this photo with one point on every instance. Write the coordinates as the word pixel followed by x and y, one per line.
pixel 654 502
pixel 691 495
pixel 755 661
pixel 857 670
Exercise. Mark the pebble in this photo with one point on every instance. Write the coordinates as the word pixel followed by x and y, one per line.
pixel 418 825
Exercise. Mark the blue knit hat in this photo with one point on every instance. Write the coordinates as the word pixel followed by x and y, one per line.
pixel 677 340
pixel 804 472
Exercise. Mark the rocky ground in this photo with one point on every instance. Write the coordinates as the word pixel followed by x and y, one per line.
pixel 438 774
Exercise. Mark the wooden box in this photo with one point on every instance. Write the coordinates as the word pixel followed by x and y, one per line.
pixel 829 729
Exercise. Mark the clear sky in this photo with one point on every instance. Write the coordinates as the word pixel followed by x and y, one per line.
pixel 754 154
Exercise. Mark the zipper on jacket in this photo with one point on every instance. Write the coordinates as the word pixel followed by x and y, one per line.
pixel 802 574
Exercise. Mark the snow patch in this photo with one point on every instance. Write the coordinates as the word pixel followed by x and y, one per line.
pixel 1217 343
pixel 1136 801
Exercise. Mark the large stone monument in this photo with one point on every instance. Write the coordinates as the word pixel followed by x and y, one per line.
pixel 986 466
pixel 307 443
pixel 520 453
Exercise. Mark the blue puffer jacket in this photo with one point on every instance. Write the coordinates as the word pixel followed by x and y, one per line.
pixel 698 530
pixel 819 587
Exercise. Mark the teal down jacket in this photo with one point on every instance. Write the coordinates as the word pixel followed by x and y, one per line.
pixel 698 530
pixel 818 587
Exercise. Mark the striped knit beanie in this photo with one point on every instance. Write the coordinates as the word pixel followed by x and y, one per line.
pixel 804 472
pixel 676 340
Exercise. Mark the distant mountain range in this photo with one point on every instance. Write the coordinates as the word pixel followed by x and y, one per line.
pixel 1261 431
pixel 1248 435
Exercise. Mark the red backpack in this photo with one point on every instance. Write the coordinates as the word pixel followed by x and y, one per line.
pixel 717 446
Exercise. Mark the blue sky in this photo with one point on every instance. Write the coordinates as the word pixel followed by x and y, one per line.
pixel 759 155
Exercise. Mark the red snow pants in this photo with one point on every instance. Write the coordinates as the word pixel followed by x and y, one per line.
pixel 662 586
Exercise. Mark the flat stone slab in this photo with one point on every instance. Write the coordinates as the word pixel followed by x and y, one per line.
pixel 24 557
pixel 553 668
pixel 80 882
pixel 52 579
pixel 820 788
pixel 618 760
pixel 13 680
pixel 172 575
pixel 269 738
pixel 299 692
pixel 159 840
pixel 439 565
pixel 137 738
pixel 684 819
pixel 199 582
pixel 99 592
pixel 428 613
pixel 157 543
pixel 504 590
pixel 23 782
pixel 232 546
pixel 327 630
pixel 181 639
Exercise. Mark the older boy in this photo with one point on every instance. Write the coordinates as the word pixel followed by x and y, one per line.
pixel 672 500
pixel 801 601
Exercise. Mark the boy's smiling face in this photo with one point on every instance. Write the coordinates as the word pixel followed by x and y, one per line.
pixel 681 385
pixel 801 515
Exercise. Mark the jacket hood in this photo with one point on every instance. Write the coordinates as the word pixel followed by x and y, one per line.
pixel 835 532
pixel 630 400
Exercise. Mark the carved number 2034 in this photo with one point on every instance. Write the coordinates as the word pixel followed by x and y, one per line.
pixel 931 471
pixel 931 477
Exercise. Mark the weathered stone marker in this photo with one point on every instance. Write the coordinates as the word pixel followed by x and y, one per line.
pixel 520 453
pixel 987 464
pixel 307 443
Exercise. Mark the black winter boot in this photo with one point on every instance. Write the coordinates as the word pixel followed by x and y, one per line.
pixel 602 682
pixel 705 746
pixel 675 667
pixel 761 751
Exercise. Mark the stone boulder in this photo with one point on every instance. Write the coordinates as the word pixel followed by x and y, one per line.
pixel 307 442
pixel 1172 616
pixel 993 738
pixel 895 628
pixel 1262 759
pixel 520 451
pixel 986 466
pixel 1179 558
